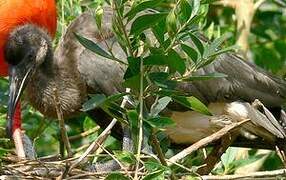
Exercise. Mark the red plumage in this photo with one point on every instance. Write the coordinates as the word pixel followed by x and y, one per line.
pixel 14 13
pixel 18 12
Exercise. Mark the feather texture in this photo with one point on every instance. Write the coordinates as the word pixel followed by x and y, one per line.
pixel 18 12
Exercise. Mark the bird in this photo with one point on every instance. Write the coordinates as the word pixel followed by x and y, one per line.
pixel 15 13
pixel 77 72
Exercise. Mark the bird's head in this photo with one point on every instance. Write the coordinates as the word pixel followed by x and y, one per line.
pixel 27 48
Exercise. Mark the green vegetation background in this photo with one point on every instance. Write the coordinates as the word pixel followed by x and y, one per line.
pixel 267 48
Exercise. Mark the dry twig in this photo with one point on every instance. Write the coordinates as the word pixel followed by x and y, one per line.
pixel 100 139
pixel 207 140
pixel 256 175
pixel 216 153
pixel 63 130
pixel 84 134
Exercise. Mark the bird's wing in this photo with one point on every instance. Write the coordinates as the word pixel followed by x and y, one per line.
pixel 244 81
pixel 100 74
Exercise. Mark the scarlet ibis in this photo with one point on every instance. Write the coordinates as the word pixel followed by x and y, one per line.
pixel 75 71
pixel 14 14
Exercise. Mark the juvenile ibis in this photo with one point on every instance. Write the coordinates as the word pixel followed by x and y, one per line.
pixel 75 72
pixel 13 14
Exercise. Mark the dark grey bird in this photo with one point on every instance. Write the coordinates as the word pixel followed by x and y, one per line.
pixel 76 72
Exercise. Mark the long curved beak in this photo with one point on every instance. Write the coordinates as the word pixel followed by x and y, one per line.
pixel 19 76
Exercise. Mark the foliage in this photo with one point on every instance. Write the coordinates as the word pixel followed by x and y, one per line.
pixel 164 35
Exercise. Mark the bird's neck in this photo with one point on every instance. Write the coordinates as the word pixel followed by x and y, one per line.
pixel 56 79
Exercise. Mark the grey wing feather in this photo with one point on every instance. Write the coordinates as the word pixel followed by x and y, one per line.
pixel 100 74
pixel 245 81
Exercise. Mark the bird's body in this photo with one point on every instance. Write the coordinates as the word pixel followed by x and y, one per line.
pixel 79 71
pixel 76 72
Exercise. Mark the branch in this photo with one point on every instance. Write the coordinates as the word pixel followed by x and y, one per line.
pixel 84 134
pixel 100 139
pixel 258 4
pixel 256 175
pixel 63 130
pixel 205 141
pixel 216 153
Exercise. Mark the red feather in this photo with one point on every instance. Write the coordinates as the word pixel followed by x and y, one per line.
pixel 18 12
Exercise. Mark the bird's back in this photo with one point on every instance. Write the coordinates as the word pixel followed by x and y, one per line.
pixel 19 12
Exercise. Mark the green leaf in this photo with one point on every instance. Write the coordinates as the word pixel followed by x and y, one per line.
pixel 141 7
pixel 134 83
pixel 169 92
pixel 4 86
pixel 205 77
pixel 115 97
pixel 161 80
pixel 98 16
pixel 186 9
pixel 171 22
pixel 156 59
pixel 156 175
pixel 134 124
pixel 196 7
pixel 125 156
pixel 212 48
pixel 117 176
pixel 95 101
pixel 159 31
pixel 160 122
pixel 3 151
pixel 133 67
pixel 172 60
pixel 115 111
pixel 192 103
pixel 197 43
pixel 159 106
pixel 153 165
pixel 176 63
pixel 229 156
pixel 224 50
pixel 208 1
pixel 92 46
pixel 190 52
pixel 88 123
pixel 146 21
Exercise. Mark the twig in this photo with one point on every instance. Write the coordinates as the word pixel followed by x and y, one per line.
pixel 63 130
pixel 185 168
pixel 259 175
pixel 258 4
pixel 101 173
pixel 100 139
pixel 140 125
pixel 84 134
pixel 115 159
pixel 207 140
pixel 161 156
pixel 81 148
pixel 281 154
pixel 216 153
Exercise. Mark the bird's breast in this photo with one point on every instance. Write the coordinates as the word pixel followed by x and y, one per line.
pixel 68 92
